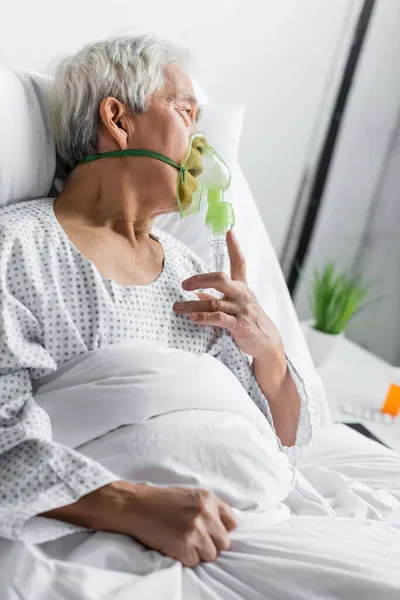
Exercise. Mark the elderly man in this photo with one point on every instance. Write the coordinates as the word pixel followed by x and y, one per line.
pixel 87 263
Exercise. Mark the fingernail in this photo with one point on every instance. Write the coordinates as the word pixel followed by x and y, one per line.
pixel 179 306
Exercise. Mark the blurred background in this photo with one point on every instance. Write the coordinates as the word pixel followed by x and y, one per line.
pixel 320 80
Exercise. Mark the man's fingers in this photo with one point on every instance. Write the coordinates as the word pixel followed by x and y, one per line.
pixel 219 534
pixel 236 258
pixel 207 550
pixel 191 558
pixel 210 306
pixel 227 516
pixel 205 296
pixel 217 319
pixel 218 281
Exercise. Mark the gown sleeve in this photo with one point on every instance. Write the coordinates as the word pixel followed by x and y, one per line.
pixel 36 473
pixel 241 366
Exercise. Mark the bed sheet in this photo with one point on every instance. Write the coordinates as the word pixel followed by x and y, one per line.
pixel 340 449
pixel 297 557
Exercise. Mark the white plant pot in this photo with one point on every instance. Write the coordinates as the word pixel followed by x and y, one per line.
pixel 321 345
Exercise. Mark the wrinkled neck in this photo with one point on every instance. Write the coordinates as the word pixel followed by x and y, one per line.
pixel 126 200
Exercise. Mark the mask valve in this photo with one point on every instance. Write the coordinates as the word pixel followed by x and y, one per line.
pixel 220 219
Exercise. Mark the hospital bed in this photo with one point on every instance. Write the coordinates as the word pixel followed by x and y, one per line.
pixel 29 169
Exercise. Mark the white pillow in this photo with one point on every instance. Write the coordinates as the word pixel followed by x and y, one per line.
pixel 27 153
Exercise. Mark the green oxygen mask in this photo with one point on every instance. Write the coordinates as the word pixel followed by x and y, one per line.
pixel 202 174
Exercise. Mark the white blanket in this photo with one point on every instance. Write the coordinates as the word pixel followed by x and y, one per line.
pixel 171 418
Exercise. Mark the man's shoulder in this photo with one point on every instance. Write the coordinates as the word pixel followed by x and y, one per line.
pixel 21 219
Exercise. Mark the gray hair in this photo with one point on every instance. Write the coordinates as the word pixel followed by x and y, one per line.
pixel 130 69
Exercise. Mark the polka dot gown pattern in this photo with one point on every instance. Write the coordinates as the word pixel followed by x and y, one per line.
pixel 55 305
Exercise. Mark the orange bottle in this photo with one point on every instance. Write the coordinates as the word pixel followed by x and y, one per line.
pixel 392 403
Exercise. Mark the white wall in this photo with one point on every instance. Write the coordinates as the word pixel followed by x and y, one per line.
pixel 274 56
pixel 364 174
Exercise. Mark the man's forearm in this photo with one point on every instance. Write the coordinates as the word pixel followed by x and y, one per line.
pixel 103 509
pixel 274 378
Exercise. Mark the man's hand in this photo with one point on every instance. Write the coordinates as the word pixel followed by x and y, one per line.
pixel 190 525
pixel 239 312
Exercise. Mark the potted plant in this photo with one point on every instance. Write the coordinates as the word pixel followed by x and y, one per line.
pixel 335 298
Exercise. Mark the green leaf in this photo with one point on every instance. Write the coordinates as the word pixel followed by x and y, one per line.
pixel 335 298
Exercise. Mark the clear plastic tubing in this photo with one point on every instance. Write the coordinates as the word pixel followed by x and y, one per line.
pixel 219 251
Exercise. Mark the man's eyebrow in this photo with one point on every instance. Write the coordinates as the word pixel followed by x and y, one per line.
pixel 188 96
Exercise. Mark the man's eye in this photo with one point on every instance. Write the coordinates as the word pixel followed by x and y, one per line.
pixel 186 109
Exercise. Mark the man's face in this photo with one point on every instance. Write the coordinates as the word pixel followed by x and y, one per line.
pixel 166 127
pixel 170 119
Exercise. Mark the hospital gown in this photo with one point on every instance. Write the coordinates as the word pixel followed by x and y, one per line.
pixel 55 305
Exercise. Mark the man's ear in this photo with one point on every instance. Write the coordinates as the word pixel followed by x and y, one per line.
pixel 114 116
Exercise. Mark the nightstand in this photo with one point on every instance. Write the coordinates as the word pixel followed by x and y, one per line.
pixel 353 375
